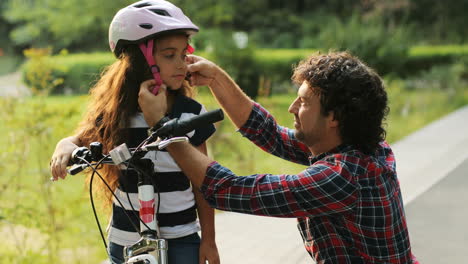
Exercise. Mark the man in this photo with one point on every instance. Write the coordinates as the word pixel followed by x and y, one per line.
pixel 347 201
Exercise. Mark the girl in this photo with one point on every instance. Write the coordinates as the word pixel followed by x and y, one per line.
pixel 150 38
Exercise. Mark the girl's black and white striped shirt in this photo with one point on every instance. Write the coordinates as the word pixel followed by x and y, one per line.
pixel 177 215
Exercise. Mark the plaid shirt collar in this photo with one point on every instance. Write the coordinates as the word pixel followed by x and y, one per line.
pixel 338 149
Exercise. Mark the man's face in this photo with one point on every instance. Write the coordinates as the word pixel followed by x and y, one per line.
pixel 311 126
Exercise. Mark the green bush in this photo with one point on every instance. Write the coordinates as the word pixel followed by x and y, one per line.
pixel 63 73
pixel 83 69
pixel 380 44
pixel 445 50
pixel 267 69
pixel 423 58
pixel 41 74
pixel 276 67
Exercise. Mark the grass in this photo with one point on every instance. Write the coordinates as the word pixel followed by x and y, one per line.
pixel 59 216
pixel 59 212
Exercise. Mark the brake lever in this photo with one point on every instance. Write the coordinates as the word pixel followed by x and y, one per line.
pixel 160 145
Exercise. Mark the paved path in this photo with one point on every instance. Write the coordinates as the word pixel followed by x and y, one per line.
pixel 437 220
pixel 251 239
pixel 428 155
pixel 432 165
pixel 10 85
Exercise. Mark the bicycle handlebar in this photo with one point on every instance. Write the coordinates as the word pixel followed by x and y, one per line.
pixel 82 157
pixel 177 127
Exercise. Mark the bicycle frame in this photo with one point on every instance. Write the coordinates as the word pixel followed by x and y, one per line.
pixel 149 248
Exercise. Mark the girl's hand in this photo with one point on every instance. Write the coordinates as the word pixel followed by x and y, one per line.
pixel 154 107
pixel 202 71
pixel 61 157
pixel 208 252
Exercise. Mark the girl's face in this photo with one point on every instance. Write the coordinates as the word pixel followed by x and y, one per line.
pixel 170 56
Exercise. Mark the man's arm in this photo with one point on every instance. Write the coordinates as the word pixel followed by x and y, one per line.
pixel 253 122
pixel 262 129
pixel 192 162
pixel 321 189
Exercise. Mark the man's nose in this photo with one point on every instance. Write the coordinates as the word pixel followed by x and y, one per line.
pixel 293 107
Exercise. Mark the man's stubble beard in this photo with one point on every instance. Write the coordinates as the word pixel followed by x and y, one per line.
pixel 299 135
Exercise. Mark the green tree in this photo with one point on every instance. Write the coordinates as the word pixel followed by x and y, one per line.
pixel 439 21
pixel 74 24
pixel 5 28
pixel 209 13
pixel 83 24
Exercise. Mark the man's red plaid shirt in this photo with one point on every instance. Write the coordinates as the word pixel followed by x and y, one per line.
pixel 348 205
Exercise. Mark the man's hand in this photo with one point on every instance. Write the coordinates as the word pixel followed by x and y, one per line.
pixel 202 71
pixel 154 107
pixel 228 94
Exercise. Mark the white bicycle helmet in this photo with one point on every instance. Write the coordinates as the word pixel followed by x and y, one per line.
pixel 140 22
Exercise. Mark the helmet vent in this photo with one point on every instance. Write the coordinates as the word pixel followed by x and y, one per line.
pixel 142 5
pixel 146 26
pixel 160 12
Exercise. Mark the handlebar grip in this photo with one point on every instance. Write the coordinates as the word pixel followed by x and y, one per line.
pixel 177 127
pixel 187 125
pixel 75 169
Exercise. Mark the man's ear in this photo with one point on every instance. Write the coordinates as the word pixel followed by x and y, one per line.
pixel 332 121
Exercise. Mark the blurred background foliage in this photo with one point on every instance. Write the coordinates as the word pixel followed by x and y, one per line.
pixel 382 33
pixel 60 47
pixel 77 24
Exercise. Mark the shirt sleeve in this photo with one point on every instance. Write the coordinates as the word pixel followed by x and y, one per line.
pixel 262 129
pixel 322 189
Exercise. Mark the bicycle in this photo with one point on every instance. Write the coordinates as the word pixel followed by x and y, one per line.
pixel 150 248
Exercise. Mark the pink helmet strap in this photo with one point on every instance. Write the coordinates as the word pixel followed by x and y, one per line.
pixel 190 49
pixel 147 49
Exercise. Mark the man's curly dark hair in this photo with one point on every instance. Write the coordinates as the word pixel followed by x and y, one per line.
pixel 352 91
